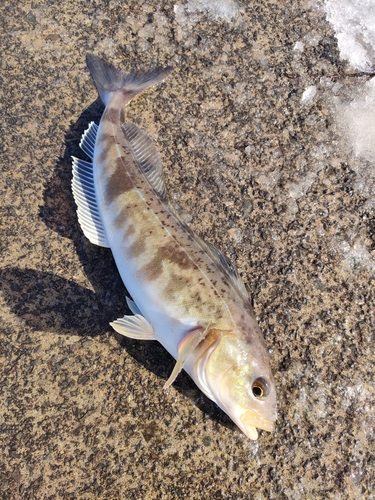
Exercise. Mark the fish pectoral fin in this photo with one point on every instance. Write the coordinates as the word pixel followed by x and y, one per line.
pixel 134 327
pixel 185 347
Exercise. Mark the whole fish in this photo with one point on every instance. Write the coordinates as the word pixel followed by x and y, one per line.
pixel 186 294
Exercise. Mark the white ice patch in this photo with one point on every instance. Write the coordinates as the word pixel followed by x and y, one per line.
pixel 357 256
pixel 354 113
pixel 354 107
pixel 357 115
pixel 299 47
pixel 218 9
pixel 308 95
pixel 354 24
pixel 298 189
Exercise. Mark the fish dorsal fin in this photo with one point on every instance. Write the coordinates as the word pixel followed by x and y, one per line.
pixel 85 198
pixel 221 260
pixel 88 140
pixel 226 265
pixel 146 156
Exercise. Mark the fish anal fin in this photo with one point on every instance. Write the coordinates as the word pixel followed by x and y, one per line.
pixel 87 207
pixel 88 140
pixel 134 327
pixel 185 347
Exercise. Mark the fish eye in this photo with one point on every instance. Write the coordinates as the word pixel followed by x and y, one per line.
pixel 261 388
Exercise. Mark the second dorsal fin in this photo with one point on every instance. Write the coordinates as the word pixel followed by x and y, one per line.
pixel 220 259
pixel 146 156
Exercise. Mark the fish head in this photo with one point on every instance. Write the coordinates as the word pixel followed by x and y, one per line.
pixel 235 373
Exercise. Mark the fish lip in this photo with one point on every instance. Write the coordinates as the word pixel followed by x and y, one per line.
pixel 251 420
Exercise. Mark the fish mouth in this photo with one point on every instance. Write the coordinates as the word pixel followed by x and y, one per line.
pixel 251 420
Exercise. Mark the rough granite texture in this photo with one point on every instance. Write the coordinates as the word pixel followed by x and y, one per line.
pixel 265 177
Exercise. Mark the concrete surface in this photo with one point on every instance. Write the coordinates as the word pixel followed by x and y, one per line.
pixel 256 171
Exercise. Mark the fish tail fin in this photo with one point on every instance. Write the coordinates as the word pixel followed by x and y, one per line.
pixel 109 79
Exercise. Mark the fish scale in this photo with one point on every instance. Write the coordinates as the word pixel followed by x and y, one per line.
pixel 186 294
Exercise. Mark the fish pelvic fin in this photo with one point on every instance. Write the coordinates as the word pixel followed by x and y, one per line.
pixel 134 327
pixel 109 79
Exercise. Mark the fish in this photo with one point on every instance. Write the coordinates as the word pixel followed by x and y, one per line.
pixel 186 294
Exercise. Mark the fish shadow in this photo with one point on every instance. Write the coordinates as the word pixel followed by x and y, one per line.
pixel 47 302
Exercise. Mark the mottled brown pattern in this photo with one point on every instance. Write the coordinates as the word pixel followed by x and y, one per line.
pixel 104 138
pixel 130 229
pixel 112 115
pixel 177 283
pixel 105 153
pixel 121 222
pixel 137 248
pixel 119 182
pixel 152 270
pixel 177 256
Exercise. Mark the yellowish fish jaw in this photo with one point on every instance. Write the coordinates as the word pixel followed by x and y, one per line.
pixel 249 421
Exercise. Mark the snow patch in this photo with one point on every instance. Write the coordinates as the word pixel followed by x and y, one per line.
pixel 299 47
pixel 308 95
pixel 354 24
pixel 356 113
pixel 357 256
pixel 354 106
pixel 218 9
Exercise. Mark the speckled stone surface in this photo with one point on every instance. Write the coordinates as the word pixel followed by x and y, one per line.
pixel 264 176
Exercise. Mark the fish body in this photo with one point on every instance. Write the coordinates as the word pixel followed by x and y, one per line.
pixel 186 294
